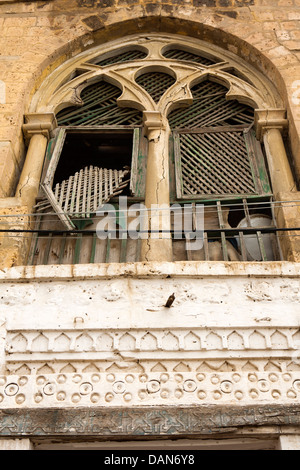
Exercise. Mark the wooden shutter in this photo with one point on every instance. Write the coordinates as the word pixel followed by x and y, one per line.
pixel 78 197
pixel 155 83
pixel 186 55
pixel 257 162
pixel 120 56
pixel 139 164
pixel 99 108
pixel 47 184
pixel 219 162
pixel 210 109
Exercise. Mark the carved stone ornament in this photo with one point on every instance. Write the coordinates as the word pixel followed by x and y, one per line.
pixel 57 92
pixel 39 123
pixel 269 119
pixel 149 421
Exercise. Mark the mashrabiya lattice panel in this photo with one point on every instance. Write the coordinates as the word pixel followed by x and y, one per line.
pixel 180 54
pixel 155 83
pixel 210 108
pixel 120 57
pixel 85 191
pixel 215 163
pixel 99 109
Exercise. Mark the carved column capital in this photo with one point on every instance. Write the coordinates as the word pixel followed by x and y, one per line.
pixel 265 119
pixel 39 123
pixel 153 122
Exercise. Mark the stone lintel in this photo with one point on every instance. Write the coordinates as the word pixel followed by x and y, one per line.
pixel 39 123
pixel 265 119
pixel 152 421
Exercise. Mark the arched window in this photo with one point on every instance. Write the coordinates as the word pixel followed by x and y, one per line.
pixel 93 152
pixel 213 143
pixel 218 160
pixel 116 116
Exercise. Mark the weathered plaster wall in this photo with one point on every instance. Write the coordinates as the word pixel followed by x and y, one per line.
pixel 101 336
pixel 37 36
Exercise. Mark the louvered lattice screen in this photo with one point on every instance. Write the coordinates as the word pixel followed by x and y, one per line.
pixel 214 163
pixel 178 54
pixel 210 108
pixel 121 57
pixel 155 83
pixel 99 109
pixel 83 193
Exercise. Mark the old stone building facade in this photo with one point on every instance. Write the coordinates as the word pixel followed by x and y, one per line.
pixel 148 341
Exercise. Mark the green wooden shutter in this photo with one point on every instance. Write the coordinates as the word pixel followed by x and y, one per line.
pixel 257 162
pixel 139 164
pixel 77 198
pixel 99 108
pixel 219 162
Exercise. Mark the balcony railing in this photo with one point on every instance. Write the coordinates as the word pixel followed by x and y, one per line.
pixel 237 232
pixel 81 248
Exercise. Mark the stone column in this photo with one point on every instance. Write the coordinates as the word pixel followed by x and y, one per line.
pixel 270 124
pixel 37 130
pixel 157 247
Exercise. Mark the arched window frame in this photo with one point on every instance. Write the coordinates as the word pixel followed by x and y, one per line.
pixel 62 89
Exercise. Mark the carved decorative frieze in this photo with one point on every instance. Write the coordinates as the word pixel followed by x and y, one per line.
pixel 112 343
pixel 151 343
pixel 157 388
pixel 119 367
pixel 144 421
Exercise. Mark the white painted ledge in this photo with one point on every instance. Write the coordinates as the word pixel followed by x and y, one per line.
pixel 289 442
pixel 15 444
pixel 156 270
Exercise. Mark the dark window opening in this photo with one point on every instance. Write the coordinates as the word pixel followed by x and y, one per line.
pixel 111 150
pixel 254 207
